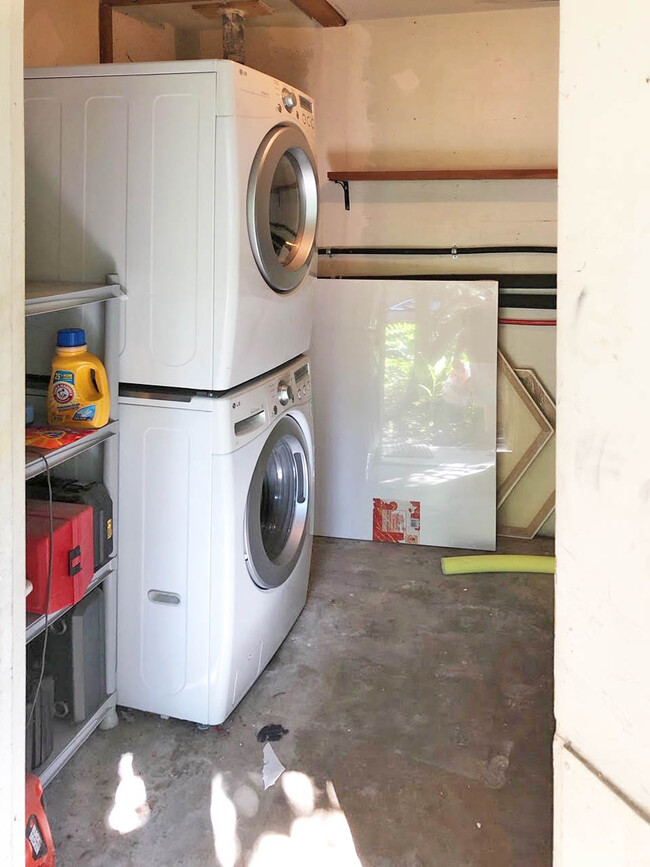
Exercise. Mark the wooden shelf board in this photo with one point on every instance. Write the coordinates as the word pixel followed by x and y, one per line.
pixel 445 175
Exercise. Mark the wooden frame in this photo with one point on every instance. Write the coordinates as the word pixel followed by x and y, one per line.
pixel 545 459
pixel 12 410
pixel 537 391
pixel 318 10
pixel 507 479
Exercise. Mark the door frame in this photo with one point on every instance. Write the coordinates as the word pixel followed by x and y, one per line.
pixel 12 453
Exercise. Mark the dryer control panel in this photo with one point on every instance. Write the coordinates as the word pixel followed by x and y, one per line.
pixel 297 105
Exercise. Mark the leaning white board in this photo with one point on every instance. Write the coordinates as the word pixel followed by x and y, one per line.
pixel 404 390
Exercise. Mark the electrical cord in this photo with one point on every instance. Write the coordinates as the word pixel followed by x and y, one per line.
pixel 50 567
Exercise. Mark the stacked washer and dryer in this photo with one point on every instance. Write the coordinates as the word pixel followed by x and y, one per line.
pixel 196 183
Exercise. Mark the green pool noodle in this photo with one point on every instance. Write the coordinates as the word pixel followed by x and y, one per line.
pixel 498 563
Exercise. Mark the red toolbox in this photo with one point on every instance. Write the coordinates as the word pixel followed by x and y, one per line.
pixel 73 555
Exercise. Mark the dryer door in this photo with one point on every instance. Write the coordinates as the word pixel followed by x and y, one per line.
pixel 282 207
pixel 277 509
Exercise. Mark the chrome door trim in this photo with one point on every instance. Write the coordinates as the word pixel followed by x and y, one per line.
pixel 290 141
pixel 265 572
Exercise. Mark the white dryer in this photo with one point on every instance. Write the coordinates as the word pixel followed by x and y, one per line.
pixel 196 183
pixel 215 548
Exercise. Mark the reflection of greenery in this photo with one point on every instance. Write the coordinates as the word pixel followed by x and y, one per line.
pixel 425 403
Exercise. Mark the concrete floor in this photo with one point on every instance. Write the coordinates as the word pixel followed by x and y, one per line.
pixel 423 703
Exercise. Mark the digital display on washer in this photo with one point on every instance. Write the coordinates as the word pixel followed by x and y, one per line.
pixel 302 372
pixel 307 104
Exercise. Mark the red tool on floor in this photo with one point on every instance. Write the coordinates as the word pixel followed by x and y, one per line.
pixel 39 847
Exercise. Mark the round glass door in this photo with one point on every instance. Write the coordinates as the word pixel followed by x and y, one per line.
pixel 285 212
pixel 278 506
pixel 282 208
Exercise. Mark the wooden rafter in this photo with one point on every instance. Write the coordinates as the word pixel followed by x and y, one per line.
pixel 322 12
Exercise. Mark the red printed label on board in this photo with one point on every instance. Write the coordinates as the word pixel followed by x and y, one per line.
pixel 396 521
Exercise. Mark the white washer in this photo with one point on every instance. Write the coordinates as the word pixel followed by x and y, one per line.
pixel 196 183
pixel 215 547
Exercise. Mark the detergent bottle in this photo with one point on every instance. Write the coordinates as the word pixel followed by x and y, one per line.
pixel 78 396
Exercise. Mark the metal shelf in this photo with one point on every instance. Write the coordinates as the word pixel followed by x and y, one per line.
pixel 36 622
pixel 68 737
pixel 35 465
pixel 50 296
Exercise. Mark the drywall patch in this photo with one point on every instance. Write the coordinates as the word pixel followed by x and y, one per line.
pixel 407 80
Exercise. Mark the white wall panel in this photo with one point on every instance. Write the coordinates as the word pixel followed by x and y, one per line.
pixel 603 470
pixel 593 825
pixel 404 377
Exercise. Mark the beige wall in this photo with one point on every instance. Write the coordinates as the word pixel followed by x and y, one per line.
pixel 60 32
pixel 443 91
pixel 66 33
pixel 460 90
pixel 135 41
pixel 12 454
pixel 603 543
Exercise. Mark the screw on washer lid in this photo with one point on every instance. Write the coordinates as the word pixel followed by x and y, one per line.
pixel 71 337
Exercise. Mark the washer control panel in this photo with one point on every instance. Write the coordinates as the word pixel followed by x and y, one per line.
pixel 242 415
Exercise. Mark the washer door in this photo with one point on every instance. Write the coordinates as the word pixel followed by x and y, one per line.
pixel 278 506
pixel 282 207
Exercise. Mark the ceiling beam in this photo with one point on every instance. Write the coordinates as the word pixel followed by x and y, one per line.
pixel 322 12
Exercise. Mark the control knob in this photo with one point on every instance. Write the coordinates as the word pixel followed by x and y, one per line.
pixel 289 99
pixel 285 392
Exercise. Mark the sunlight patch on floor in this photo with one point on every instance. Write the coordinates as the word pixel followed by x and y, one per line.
pixel 130 809
pixel 319 837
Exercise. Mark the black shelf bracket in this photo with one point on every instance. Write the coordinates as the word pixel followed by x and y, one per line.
pixel 346 192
